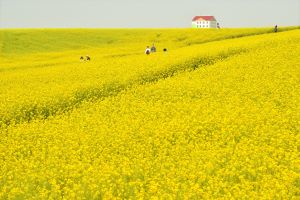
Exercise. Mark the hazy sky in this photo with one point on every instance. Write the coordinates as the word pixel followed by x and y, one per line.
pixel 146 13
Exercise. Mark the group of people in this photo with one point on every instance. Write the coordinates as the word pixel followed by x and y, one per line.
pixel 85 58
pixel 152 49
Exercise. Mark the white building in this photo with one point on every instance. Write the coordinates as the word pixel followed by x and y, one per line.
pixel 204 22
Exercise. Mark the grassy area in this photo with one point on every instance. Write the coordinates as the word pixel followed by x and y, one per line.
pixel 27 41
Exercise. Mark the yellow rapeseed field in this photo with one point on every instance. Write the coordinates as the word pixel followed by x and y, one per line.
pixel 214 117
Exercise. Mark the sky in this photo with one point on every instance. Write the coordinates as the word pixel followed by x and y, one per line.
pixel 145 13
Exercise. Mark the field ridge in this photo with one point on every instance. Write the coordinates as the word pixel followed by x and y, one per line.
pixel 32 112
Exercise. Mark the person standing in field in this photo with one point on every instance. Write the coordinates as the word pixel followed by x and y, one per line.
pixel 147 51
pixel 153 48
pixel 275 28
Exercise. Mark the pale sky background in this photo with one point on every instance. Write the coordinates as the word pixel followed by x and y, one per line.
pixel 146 13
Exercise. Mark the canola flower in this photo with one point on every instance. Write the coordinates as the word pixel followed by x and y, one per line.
pixel 43 85
pixel 226 129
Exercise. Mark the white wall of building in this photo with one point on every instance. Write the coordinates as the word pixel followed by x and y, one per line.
pixel 204 24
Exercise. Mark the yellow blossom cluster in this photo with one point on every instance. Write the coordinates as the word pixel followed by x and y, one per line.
pixel 39 85
pixel 216 120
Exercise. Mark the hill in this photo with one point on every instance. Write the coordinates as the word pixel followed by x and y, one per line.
pixel 217 116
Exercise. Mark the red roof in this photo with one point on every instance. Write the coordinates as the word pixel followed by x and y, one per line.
pixel 207 18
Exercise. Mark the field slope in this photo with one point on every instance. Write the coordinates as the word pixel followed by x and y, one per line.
pixel 217 116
